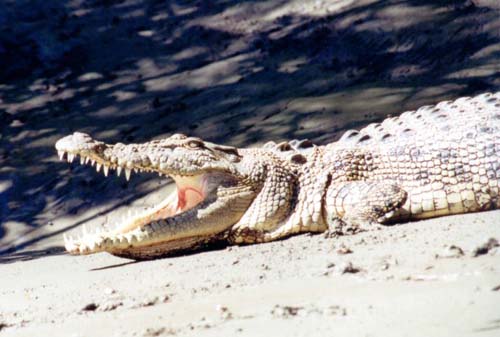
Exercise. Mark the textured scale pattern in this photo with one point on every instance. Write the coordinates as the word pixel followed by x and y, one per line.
pixel 450 118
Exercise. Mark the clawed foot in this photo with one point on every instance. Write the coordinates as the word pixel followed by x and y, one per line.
pixel 340 227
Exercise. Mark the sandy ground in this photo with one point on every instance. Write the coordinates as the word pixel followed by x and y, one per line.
pixel 420 279
pixel 241 73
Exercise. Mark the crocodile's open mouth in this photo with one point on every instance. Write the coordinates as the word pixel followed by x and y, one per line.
pixel 207 199
pixel 190 191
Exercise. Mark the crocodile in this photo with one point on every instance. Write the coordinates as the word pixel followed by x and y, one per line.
pixel 438 160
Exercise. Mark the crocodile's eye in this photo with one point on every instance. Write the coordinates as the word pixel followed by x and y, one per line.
pixel 195 144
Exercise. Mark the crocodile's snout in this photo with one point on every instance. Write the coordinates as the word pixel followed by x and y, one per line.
pixel 77 142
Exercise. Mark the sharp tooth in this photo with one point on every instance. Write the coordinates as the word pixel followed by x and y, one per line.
pixel 61 154
pixel 71 157
pixel 92 161
pixel 118 170
pixel 132 238
pixel 86 160
pixel 98 167
pixel 127 174
pixel 106 170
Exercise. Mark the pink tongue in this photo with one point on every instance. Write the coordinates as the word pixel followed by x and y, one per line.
pixel 188 198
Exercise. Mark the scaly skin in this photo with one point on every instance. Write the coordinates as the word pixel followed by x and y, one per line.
pixel 438 160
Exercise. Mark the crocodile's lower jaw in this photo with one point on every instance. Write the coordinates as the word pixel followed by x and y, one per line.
pixel 190 191
pixel 163 249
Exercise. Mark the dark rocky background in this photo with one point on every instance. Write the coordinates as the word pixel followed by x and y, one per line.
pixel 239 72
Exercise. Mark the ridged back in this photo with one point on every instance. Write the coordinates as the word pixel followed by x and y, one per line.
pixel 466 116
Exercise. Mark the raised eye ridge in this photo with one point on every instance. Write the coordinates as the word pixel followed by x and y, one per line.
pixel 195 143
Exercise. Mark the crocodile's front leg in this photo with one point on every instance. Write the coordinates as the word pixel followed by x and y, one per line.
pixel 354 206
pixel 269 209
